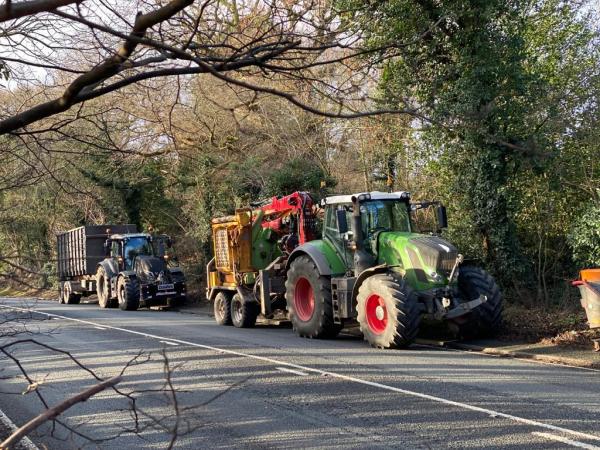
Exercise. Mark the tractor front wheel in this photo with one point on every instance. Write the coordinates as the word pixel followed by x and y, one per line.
pixel 388 312
pixel 222 308
pixel 243 314
pixel 128 293
pixel 308 297
pixel 486 319
pixel 103 289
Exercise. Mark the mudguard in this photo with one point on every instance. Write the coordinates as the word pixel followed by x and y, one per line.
pixel 382 268
pixel 324 257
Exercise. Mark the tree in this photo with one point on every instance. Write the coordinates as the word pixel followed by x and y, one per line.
pixel 104 49
pixel 481 76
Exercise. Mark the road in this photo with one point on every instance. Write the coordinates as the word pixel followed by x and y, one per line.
pixel 266 388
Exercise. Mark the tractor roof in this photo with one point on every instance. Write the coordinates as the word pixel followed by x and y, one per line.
pixel 375 195
pixel 129 235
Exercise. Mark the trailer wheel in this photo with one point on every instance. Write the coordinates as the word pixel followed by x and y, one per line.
pixel 308 297
pixel 485 320
pixel 243 314
pixel 102 289
pixel 388 312
pixel 222 308
pixel 128 293
pixel 67 295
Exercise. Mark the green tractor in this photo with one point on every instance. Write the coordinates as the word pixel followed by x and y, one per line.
pixel 370 266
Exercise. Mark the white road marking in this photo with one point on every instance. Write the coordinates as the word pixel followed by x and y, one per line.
pixel 25 442
pixel 168 342
pixel 485 411
pixel 295 372
pixel 100 328
pixel 554 437
pixel 495 355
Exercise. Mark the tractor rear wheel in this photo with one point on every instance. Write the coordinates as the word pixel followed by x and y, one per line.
pixel 243 314
pixel 388 312
pixel 486 319
pixel 222 308
pixel 128 293
pixel 102 289
pixel 308 297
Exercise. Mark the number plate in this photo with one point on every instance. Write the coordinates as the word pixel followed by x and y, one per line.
pixel 166 287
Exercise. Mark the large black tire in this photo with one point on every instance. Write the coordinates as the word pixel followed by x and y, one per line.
pixel 308 297
pixel 243 314
pixel 388 312
pixel 102 289
pixel 222 308
pixel 67 295
pixel 128 293
pixel 485 320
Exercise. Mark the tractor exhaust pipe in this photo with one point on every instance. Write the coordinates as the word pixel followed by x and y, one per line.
pixel 362 259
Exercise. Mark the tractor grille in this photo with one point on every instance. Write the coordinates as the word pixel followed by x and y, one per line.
pixel 221 249
pixel 436 253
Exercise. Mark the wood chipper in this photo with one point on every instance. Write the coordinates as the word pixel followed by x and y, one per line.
pixel 247 274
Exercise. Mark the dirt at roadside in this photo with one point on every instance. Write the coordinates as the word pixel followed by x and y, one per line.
pixel 548 325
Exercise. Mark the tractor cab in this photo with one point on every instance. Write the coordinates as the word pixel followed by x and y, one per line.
pixel 369 229
pixel 125 248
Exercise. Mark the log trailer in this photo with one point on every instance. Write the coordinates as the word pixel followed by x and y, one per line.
pixel 369 266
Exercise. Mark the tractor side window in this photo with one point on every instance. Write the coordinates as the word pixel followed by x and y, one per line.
pixel 331 228
pixel 114 249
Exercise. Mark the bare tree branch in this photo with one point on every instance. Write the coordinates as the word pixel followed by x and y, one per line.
pixel 10 10
pixel 55 411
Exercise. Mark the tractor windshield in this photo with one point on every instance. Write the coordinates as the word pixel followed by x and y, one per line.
pixel 384 215
pixel 134 247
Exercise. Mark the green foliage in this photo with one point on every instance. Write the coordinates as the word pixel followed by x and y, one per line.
pixel 298 174
pixel 512 93
pixel 585 236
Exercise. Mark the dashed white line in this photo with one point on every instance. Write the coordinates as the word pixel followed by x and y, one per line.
pixel 295 372
pixel 168 342
pixel 339 376
pixel 554 437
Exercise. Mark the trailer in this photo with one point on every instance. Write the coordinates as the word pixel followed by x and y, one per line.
pixel 79 252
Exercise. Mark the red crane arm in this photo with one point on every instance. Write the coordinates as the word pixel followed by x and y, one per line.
pixel 277 212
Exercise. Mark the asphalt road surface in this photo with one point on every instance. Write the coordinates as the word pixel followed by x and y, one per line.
pixel 266 388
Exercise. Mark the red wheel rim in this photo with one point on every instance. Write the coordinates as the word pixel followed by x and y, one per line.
pixel 304 299
pixel 376 313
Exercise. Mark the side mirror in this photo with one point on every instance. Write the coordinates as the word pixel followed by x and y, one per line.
pixel 442 217
pixel 342 223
